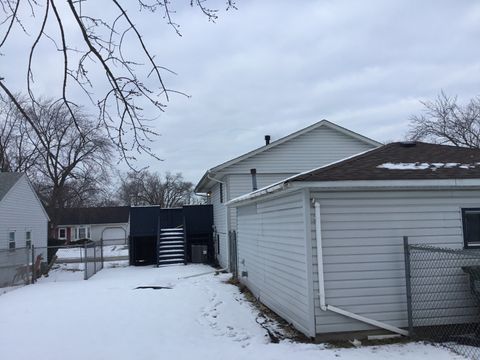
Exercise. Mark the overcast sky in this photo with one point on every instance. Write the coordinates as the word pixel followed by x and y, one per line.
pixel 273 67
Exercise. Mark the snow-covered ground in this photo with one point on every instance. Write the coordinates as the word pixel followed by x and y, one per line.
pixel 64 317
pixel 79 252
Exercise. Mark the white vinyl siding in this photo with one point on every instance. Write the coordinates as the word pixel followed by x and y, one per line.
pixel 310 150
pixel 362 234
pixel 220 222
pixel 20 210
pixel 315 148
pixel 272 250
pixel 240 184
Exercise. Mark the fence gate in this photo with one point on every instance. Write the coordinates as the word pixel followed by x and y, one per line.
pixel 232 235
pixel 93 259
pixel 443 296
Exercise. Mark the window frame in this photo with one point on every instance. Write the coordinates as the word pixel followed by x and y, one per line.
pixel 87 232
pixel 466 244
pixel 58 233
pixel 28 239
pixel 12 243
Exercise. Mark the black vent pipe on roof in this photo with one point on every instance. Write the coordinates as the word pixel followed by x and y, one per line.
pixel 408 143
pixel 267 140
pixel 254 179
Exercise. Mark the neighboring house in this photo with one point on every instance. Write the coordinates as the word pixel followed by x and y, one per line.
pixel 313 146
pixel 23 219
pixel 108 223
pixel 358 209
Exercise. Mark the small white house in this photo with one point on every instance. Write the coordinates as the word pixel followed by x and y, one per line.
pixel 23 219
pixel 313 146
pixel 324 249
pixel 110 224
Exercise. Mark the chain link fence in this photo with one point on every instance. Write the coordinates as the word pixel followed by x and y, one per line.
pixel 443 296
pixel 23 266
pixel 93 258
pixel 15 267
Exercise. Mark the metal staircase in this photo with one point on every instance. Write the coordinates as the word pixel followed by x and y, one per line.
pixel 171 246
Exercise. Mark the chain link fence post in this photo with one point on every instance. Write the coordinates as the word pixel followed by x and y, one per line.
pixel 408 285
pixel 86 260
pixel 34 278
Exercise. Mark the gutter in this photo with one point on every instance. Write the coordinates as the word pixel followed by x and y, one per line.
pixel 263 191
pixel 321 284
pixel 213 179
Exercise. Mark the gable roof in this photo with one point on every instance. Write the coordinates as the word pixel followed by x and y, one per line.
pixel 93 215
pixel 7 181
pixel 394 161
pixel 323 123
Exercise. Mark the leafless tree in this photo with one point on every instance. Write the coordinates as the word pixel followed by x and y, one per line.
pixel 446 121
pixel 147 188
pixel 67 160
pixel 17 153
pixel 101 47
pixel 74 155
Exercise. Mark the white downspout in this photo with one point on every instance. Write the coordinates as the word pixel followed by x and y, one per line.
pixel 321 279
pixel 321 283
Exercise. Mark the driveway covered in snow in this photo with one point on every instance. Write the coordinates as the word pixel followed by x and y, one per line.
pixel 63 317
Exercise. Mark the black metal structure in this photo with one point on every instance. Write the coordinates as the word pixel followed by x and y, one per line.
pixel 143 235
pixel 146 224
pixel 198 223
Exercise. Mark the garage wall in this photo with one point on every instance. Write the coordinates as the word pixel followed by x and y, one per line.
pixel 362 234
pixel 112 233
pixel 272 250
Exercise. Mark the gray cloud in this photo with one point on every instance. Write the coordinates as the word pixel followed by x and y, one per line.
pixel 277 66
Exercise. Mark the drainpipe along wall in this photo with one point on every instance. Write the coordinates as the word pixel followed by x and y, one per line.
pixel 321 283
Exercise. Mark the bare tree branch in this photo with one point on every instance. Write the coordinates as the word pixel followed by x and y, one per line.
pixel 446 121
pixel 134 79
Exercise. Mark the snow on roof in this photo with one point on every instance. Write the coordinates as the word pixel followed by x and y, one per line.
pixel 425 166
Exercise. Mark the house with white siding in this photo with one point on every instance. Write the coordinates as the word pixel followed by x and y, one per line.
pixel 109 223
pixel 313 146
pixel 23 219
pixel 324 249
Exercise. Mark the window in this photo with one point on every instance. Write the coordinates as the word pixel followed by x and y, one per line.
pixel 11 240
pixel 82 232
pixel 471 227
pixel 221 192
pixel 62 233
pixel 28 238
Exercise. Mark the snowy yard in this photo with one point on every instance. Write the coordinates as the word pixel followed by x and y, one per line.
pixel 64 317
pixel 79 252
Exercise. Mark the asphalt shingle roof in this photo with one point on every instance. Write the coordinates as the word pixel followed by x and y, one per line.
pixel 402 161
pixel 7 180
pixel 94 215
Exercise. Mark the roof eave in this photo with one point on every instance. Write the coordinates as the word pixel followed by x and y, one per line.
pixel 355 185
